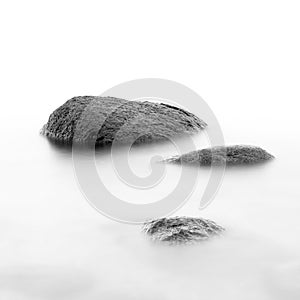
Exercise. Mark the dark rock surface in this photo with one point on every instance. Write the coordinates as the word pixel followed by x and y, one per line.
pixel 105 116
pixel 181 229
pixel 232 155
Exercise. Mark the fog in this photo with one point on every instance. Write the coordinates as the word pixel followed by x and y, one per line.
pixel 55 245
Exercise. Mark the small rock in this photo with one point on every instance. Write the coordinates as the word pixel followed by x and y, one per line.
pixel 181 229
pixel 231 155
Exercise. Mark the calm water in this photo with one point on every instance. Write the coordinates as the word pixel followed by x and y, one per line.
pixel 54 245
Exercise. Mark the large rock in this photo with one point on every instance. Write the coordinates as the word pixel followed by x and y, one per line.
pixel 231 155
pixel 105 116
pixel 181 229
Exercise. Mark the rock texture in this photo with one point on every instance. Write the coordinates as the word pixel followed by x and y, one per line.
pixel 181 229
pixel 231 155
pixel 106 118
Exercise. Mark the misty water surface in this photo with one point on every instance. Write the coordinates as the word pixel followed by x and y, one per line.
pixel 54 245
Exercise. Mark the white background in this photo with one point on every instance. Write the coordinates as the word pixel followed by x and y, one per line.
pixel 242 57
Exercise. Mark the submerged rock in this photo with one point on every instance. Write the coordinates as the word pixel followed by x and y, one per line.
pixel 231 155
pixel 181 229
pixel 105 116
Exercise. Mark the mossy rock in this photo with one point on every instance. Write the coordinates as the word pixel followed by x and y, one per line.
pixel 231 155
pixel 180 230
pixel 104 117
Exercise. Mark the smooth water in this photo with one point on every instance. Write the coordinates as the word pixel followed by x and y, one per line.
pixel 54 245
